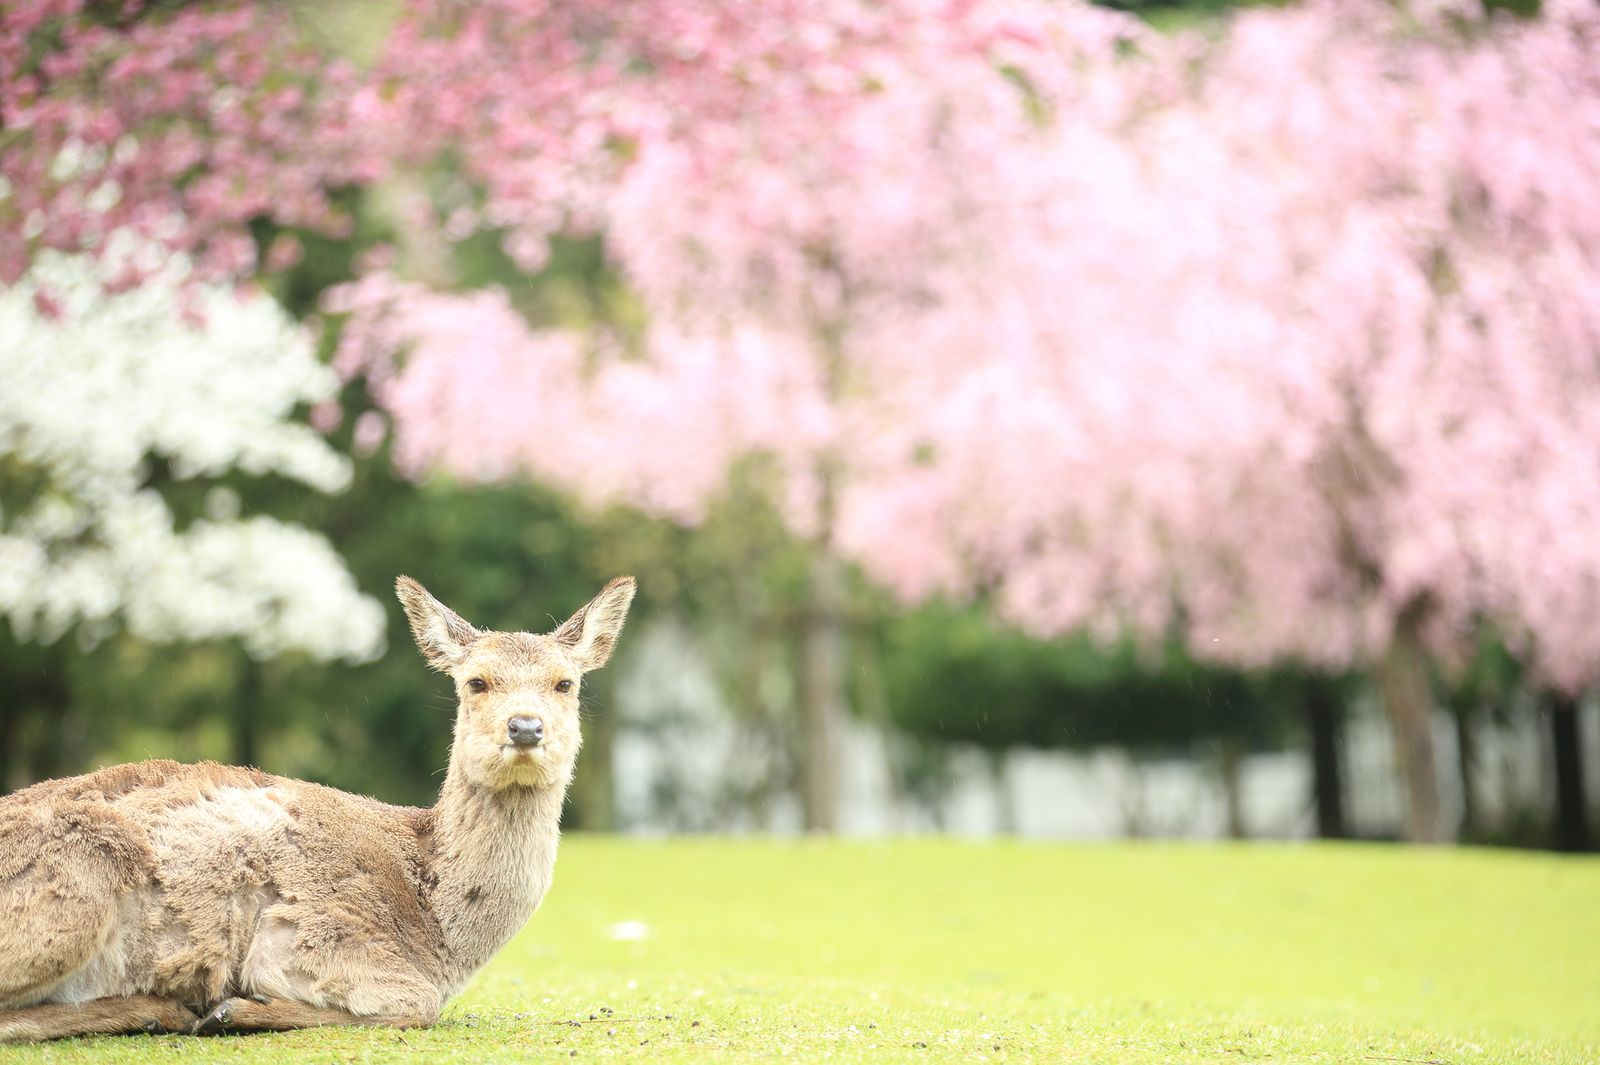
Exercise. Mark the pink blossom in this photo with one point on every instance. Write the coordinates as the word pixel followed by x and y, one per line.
pixel 1270 340
pixel 179 125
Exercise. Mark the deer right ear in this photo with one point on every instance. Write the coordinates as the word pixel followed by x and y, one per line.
pixel 442 635
pixel 591 633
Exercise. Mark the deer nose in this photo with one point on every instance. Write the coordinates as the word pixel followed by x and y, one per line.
pixel 525 731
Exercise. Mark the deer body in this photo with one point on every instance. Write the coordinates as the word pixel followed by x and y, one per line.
pixel 160 896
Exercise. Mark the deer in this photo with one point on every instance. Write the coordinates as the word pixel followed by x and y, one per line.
pixel 169 898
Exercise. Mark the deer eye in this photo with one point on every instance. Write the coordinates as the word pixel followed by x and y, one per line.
pixel 563 686
pixel 478 685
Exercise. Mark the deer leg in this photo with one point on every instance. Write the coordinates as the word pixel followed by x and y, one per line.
pixel 282 1014
pixel 101 1016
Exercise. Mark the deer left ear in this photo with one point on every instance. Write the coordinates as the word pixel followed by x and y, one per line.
pixel 590 635
pixel 442 635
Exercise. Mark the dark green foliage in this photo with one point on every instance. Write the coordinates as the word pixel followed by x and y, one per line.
pixel 954 675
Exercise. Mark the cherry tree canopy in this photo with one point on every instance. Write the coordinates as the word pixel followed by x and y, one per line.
pixel 1329 355
pixel 1282 337
pixel 178 126
pixel 796 192
pixel 1285 336
pixel 1335 394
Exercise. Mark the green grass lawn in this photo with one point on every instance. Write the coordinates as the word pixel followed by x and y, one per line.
pixel 937 950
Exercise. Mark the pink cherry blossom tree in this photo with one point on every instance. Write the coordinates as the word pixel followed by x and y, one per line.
pixel 177 127
pixel 1334 396
pixel 1284 341
pixel 814 203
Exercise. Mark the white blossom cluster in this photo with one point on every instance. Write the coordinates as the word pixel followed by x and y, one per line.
pixel 90 396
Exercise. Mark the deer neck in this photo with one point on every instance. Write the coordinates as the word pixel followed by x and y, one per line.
pixel 494 857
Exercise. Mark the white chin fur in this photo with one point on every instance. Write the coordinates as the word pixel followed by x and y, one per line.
pixel 530 767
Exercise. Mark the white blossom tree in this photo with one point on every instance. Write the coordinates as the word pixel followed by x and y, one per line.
pixel 96 388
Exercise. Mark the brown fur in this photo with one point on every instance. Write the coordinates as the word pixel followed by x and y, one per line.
pixel 161 896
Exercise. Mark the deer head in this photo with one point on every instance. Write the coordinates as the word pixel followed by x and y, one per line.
pixel 517 722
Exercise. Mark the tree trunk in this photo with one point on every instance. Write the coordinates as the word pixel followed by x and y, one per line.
pixel 822 691
pixel 765 724
pixel 1005 802
pixel 823 648
pixel 1323 714
pixel 1408 699
pixel 244 723
pixel 1136 820
pixel 10 736
pixel 57 736
pixel 873 706
pixel 1572 813
pixel 1230 770
pixel 1467 766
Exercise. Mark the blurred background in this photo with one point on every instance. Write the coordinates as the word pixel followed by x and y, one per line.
pixel 1022 417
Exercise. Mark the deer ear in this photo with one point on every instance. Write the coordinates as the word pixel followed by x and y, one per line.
pixel 590 635
pixel 442 635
